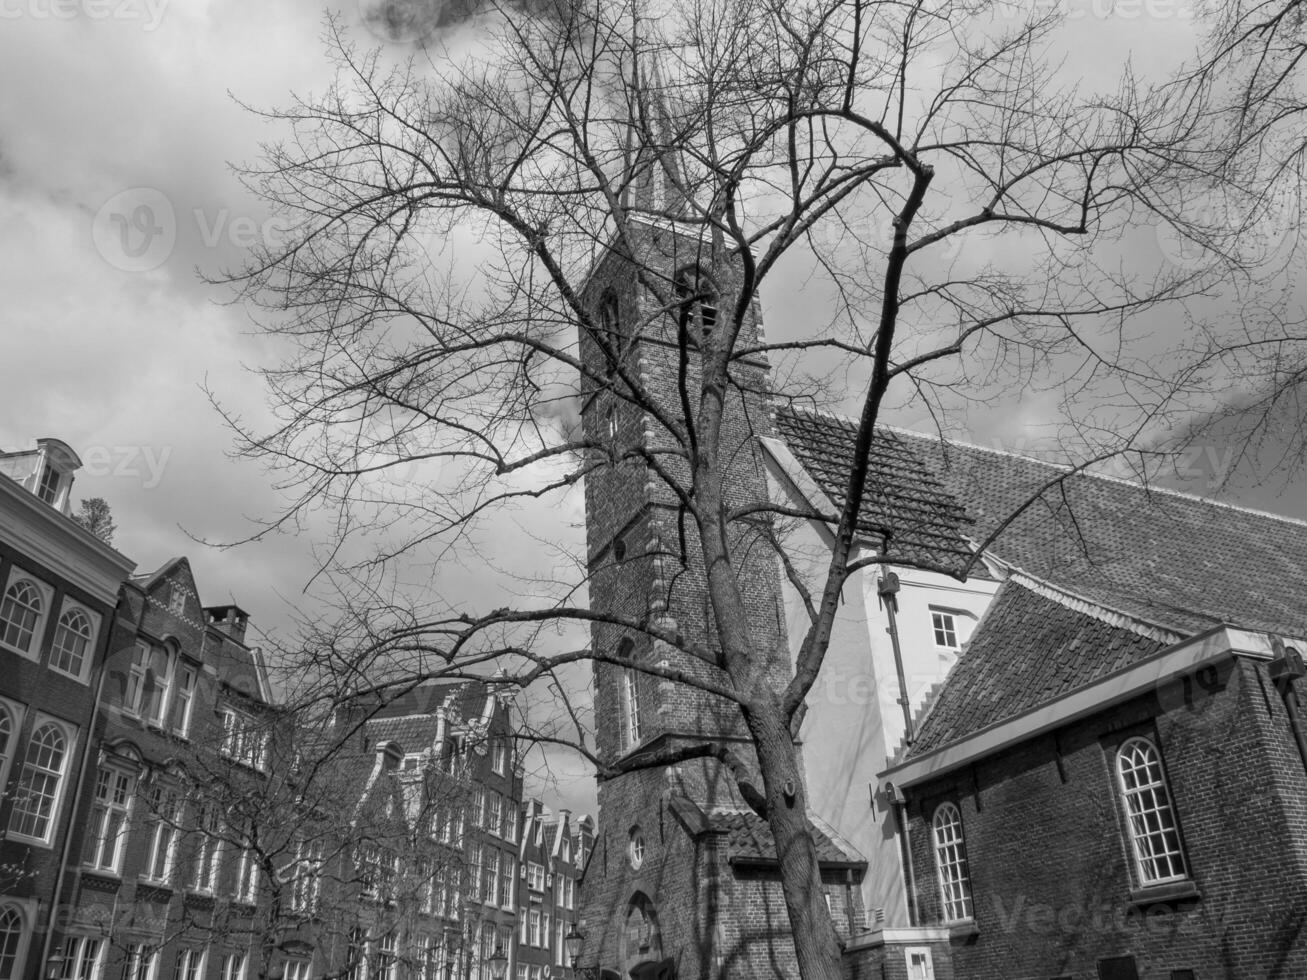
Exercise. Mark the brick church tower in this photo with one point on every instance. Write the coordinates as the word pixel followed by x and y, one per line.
pixel 683 881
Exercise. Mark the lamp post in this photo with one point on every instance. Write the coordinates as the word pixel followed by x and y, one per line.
pixel 54 966
pixel 572 944
pixel 498 963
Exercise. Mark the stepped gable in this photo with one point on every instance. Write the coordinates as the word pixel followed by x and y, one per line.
pixel 927 524
pixel 1029 650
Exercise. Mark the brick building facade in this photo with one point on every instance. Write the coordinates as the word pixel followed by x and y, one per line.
pixel 60 588
pixel 684 880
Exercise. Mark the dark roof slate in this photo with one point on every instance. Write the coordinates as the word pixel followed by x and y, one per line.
pixel 1027 651
pixel 1174 560
pixel 1178 561
pixel 925 522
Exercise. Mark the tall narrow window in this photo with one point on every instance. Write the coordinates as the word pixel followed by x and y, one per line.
pixel 42 780
pixel 72 639
pixel 247 868
pixel 1150 817
pixel 208 850
pixel 83 959
pixel 630 708
pixel 48 488
pixel 698 300
pixel 306 885
pixel 20 613
pixel 179 715
pixel 11 942
pixel 142 962
pixel 356 958
pixel 190 964
pixel 113 796
pixel 233 967
pixel 387 961
pixel 163 838
pixel 951 861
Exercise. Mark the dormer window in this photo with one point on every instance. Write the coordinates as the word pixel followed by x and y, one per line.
pixel 51 481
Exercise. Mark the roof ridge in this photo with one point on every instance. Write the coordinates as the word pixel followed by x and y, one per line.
pixel 1068 468
pixel 1065 467
pixel 1092 608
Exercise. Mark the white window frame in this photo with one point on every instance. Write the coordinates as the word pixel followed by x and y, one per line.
pixel 306 877
pixel 101 858
pixel 26 911
pixel 191 963
pixel 1146 802
pixel 69 733
pixel 494 813
pixel 68 607
pixel 630 708
pixel 142 962
pixel 298 968
pixel 207 860
pixel 952 869
pixel 922 956
pixel 165 831
pixel 234 966
pixel 83 958
pixel 507 879
pixel 242 739
pixel 499 757
pixel 46 594
pixel 16 712
pixel 944 622
pixel 245 888
pixel 181 692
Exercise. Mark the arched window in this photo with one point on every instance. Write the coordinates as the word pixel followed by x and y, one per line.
pixel 610 324
pixel 1150 817
pixel 19 613
pixel 38 789
pixel 698 300
pixel 951 862
pixel 71 639
pixel 11 942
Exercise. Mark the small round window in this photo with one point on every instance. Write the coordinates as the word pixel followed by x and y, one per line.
pixel 635 850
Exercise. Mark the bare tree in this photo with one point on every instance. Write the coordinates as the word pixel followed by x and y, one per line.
pixel 967 211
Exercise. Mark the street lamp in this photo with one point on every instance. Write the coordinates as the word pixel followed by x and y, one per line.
pixel 572 943
pixel 498 963
pixel 54 966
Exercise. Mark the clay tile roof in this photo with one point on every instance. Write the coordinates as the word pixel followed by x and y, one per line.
pixel 925 522
pixel 749 840
pixel 1028 650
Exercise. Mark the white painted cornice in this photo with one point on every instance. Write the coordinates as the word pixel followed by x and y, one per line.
pixel 60 544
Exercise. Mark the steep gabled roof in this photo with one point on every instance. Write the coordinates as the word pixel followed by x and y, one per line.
pixel 926 523
pixel 1029 649
pixel 1178 561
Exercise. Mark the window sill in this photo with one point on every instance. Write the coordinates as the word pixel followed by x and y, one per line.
pixel 963 929
pixel 18 838
pixel 1172 891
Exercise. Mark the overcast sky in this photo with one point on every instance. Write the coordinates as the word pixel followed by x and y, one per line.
pixel 107 104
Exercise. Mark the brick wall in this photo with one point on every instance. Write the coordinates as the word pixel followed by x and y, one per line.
pixel 1051 873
